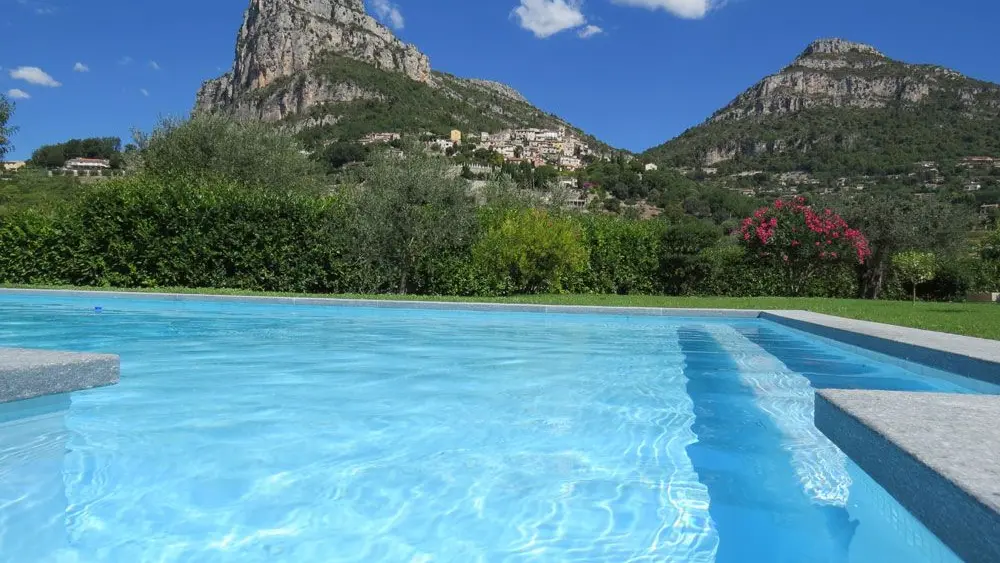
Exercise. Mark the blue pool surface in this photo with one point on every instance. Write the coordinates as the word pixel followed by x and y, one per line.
pixel 248 432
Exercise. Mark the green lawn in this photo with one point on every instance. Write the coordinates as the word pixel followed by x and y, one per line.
pixel 973 319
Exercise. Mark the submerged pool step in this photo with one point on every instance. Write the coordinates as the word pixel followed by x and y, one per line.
pixel 25 374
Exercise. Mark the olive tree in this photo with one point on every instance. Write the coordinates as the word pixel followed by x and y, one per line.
pixel 408 206
pixel 247 152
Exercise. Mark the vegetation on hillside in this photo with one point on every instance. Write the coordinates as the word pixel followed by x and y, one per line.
pixel 212 203
pixel 55 156
pixel 396 103
pixel 835 142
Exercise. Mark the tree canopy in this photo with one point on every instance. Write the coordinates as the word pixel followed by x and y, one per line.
pixel 6 131
pixel 55 156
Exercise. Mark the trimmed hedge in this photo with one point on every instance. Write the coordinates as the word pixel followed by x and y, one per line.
pixel 146 231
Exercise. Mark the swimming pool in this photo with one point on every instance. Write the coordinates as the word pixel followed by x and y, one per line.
pixel 247 432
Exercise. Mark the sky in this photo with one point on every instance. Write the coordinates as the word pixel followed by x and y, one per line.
pixel 635 73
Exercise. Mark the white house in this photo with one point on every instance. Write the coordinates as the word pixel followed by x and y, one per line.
pixel 650 167
pixel 87 164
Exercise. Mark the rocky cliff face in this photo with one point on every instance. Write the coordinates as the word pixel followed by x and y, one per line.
pixel 838 73
pixel 840 104
pixel 283 38
pixel 327 70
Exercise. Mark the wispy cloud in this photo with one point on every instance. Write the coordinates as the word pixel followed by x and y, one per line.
pixel 154 65
pixel 126 60
pixel 18 94
pixel 144 92
pixel 34 75
pixel 545 18
pixel 80 67
pixel 691 9
pixel 589 31
pixel 40 8
pixel 389 13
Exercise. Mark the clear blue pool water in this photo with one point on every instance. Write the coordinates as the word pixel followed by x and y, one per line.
pixel 245 432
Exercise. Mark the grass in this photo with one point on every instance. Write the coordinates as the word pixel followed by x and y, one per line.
pixel 970 319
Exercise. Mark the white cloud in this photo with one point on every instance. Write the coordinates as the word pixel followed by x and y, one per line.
pixel 80 67
pixel 545 18
pixel 589 31
pixel 126 60
pixel 389 13
pixel 691 9
pixel 34 75
pixel 18 94
pixel 154 65
pixel 144 92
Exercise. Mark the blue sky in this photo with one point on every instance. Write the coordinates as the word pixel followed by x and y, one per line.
pixel 655 68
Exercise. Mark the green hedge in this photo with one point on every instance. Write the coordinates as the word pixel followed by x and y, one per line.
pixel 145 231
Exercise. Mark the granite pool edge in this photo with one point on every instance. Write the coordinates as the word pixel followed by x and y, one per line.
pixel 29 373
pixel 947 497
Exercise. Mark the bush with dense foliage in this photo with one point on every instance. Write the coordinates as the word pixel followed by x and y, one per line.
pixel 797 241
pixel 531 251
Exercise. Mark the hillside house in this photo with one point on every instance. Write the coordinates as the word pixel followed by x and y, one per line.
pixel 87 164
pixel 14 165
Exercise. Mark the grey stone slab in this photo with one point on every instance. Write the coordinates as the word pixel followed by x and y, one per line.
pixel 937 454
pixel 978 358
pixel 25 374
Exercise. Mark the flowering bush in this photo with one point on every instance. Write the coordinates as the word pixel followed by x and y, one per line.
pixel 801 241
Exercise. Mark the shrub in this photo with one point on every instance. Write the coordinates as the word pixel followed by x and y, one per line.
pixel 797 241
pixel 683 268
pixel 623 256
pixel 147 231
pixel 531 251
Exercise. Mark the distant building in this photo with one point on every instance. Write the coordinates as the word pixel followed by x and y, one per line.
pixel 650 167
pixel 975 161
pixel 14 165
pixel 373 138
pixel 570 162
pixel 87 164
pixel 456 136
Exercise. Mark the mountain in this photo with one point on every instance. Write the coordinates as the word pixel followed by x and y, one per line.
pixel 330 71
pixel 844 108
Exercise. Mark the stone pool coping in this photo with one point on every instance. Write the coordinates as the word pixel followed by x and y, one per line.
pixel 26 374
pixel 938 454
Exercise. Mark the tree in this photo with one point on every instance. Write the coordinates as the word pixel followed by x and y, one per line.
pixel 408 207
pixel 247 152
pixel 915 267
pixel 337 155
pixel 55 156
pixel 893 223
pixel 6 131
pixel 796 240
